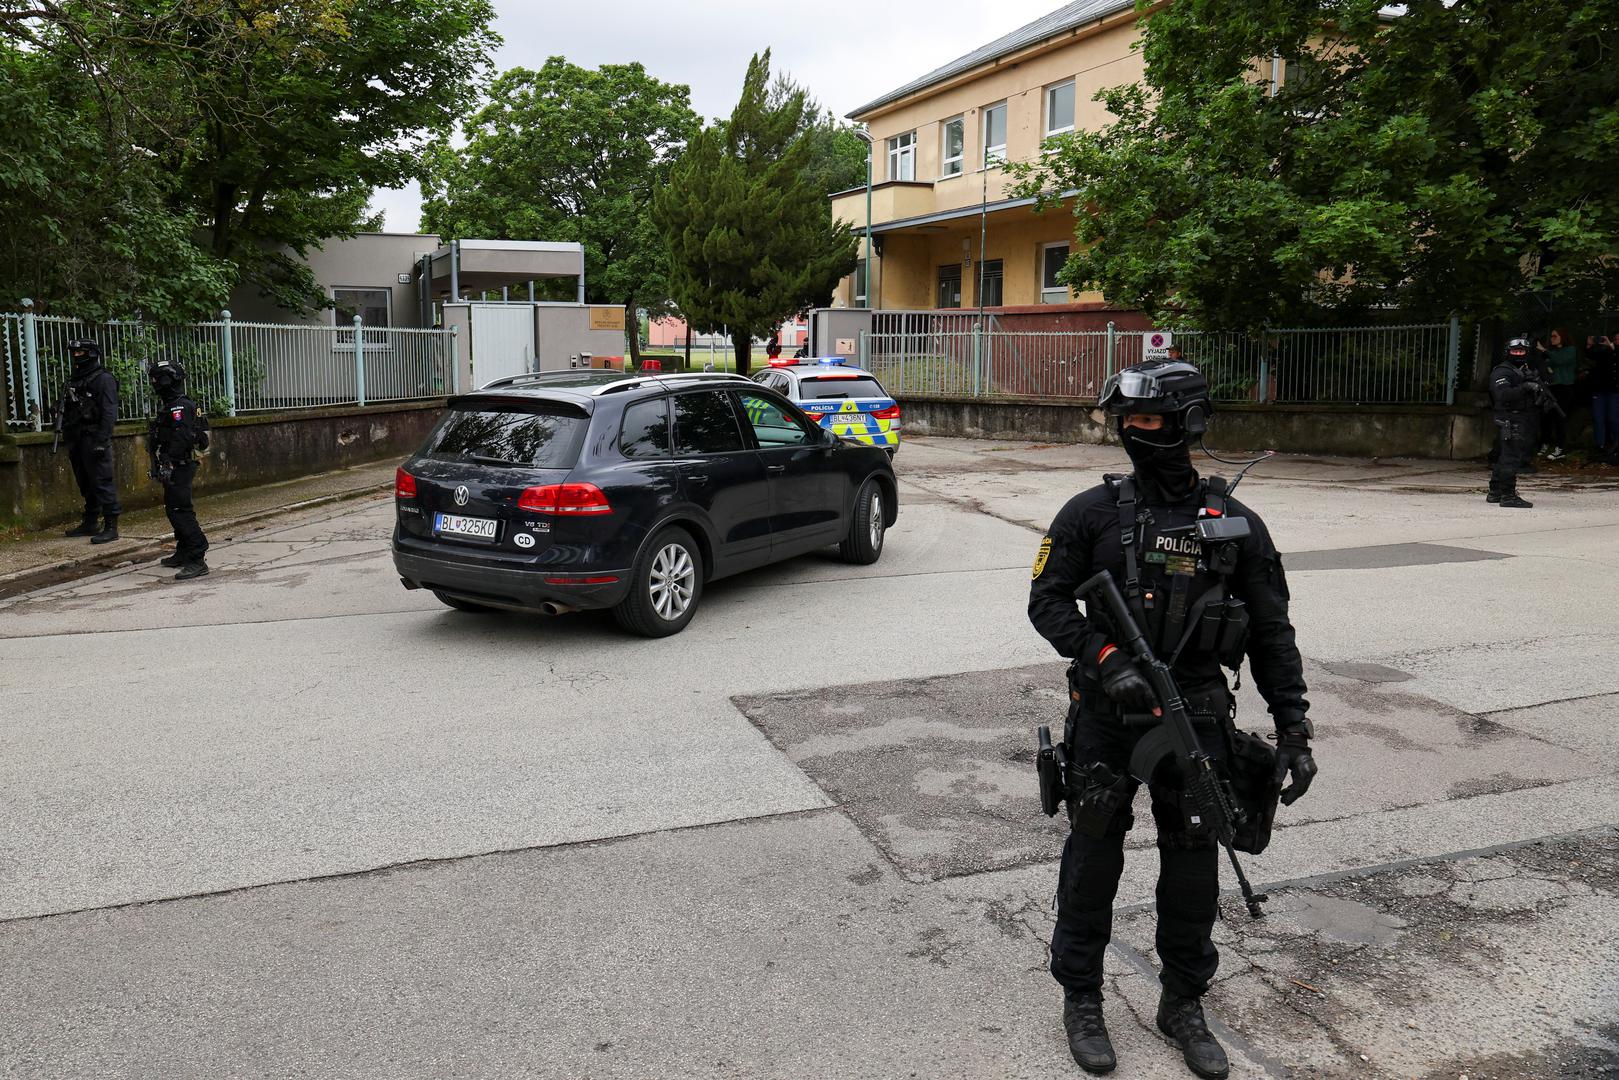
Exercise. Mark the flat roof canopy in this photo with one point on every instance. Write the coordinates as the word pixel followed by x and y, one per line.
pixel 476 265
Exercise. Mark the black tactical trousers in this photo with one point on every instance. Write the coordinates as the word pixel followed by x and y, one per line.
pixel 189 541
pixel 1188 867
pixel 1517 439
pixel 93 473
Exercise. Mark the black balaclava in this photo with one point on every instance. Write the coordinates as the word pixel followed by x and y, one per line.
pixel 84 365
pixel 1162 459
pixel 168 387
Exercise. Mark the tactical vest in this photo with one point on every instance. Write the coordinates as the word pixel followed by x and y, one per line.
pixel 1178 586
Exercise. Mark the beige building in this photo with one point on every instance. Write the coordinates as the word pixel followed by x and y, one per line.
pixel 939 148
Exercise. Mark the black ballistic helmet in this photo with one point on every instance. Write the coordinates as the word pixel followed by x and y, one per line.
pixel 1519 348
pixel 1173 389
pixel 83 349
pixel 165 370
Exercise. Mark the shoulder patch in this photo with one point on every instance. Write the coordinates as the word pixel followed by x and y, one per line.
pixel 1041 557
pixel 178 414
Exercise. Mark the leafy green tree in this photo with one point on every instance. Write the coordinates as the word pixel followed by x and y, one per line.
pixel 1450 157
pixel 745 217
pixel 209 135
pixel 570 154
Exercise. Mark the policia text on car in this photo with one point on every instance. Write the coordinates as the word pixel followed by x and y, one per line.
pixel 85 416
pixel 1203 596
pixel 177 430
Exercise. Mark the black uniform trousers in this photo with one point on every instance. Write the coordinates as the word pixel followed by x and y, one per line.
pixel 93 473
pixel 1519 435
pixel 1188 862
pixel 189 542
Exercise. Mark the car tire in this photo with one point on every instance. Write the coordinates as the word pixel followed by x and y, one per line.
pixel 665 586
pixel 461 605
pixel 864 544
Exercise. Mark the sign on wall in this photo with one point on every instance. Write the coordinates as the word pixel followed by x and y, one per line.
pixel 607 318
pixel 1155 344
pixel 843 346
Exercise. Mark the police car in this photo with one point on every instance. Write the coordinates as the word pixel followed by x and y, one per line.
pixel 846 400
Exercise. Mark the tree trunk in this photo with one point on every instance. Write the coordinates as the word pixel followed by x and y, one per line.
pixel 742 342
pixel 632 332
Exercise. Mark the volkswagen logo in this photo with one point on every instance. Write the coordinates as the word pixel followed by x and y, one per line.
pixel 462 495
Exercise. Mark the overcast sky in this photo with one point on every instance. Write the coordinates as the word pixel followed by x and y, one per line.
pixel 847 52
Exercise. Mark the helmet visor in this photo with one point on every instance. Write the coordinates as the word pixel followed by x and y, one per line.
pixel 1129 384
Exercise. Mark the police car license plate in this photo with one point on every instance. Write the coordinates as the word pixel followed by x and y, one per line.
pixel 470 527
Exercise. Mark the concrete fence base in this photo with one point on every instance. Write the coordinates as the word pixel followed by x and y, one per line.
pixel 1424 431
pixel 37 489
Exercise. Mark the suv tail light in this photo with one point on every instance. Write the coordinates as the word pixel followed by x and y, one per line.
pixel 404 484
pixel 565 499
pixel 890 413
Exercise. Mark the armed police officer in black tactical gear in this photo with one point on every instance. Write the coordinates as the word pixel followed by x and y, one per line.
pixel 89 409
pixel 1516 394
pixel 178 429
pixel 1199 605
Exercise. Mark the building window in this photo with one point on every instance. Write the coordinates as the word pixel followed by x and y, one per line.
pixel 950 286
pixel 1059 108
pixel 1052 259
pixel 994 134
pixel 371 305
pixel 990 278
pixel 902 157
pixel 860 283
pixel 954 148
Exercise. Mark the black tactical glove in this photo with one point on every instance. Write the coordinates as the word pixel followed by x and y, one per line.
pixel 1293 756
pixel 1122 682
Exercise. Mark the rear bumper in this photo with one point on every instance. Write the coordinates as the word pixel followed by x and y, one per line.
pixel 503 586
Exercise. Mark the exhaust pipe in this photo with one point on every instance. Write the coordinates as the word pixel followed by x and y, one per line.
pixel 409 584
pixel 551 607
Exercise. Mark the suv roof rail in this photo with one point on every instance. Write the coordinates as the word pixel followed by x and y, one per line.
pixel 545 376
pixel 669 379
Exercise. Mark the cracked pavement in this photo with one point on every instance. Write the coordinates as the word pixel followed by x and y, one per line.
pixel 293 820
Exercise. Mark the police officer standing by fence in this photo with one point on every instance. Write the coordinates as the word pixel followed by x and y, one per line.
pixel 89 409
pixel 1198 612
pixel 1515 394
pixel 176 431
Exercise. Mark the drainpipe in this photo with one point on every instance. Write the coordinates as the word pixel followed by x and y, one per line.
pixel 871 153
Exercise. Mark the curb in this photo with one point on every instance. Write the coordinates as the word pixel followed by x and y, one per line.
pixel 36 577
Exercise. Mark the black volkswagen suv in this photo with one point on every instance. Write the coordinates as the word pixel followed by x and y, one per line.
pixel 595 489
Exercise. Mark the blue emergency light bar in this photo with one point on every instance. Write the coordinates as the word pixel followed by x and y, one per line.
pixel 830 360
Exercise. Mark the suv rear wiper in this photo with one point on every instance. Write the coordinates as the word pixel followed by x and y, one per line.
pixel 482 460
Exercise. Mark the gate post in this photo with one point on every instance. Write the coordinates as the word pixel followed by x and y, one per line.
pixel 978 354
pixel 455 358
pixel 359 360
pixel 1452 359
pixel 1262 392
pixel 228 361
pixel 1112 337
pixel 30 356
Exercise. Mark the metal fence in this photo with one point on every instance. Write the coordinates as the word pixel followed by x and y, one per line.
pixel 231 367
pixel 1346 365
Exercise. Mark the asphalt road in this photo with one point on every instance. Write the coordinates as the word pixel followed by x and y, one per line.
pixel 291 820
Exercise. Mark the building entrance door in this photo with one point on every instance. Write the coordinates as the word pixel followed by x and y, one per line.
pixel 502 341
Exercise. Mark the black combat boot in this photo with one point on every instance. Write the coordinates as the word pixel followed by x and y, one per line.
pixel 175 561
pixel 1181 1018
pixel 1087 1034
pixel 87 527
pixel 194 569
pixel 1512 501
pixel 1494 496
pixel 109 533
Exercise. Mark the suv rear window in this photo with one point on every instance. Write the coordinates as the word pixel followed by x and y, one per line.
pixel 815 387
pixel 537 438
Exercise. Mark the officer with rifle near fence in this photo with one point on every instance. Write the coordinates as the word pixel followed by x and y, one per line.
pixel 1202 587
pixel 85 415
pixel 1518 395
pixel 178 428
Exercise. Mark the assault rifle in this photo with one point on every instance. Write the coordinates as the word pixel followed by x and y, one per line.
pixel 1546 400
pixel 69 396
pixel 1207 795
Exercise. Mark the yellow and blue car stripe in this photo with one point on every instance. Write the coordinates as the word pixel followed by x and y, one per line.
pixel 859 419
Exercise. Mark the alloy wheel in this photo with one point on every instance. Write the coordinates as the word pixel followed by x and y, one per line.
pixel 671 581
